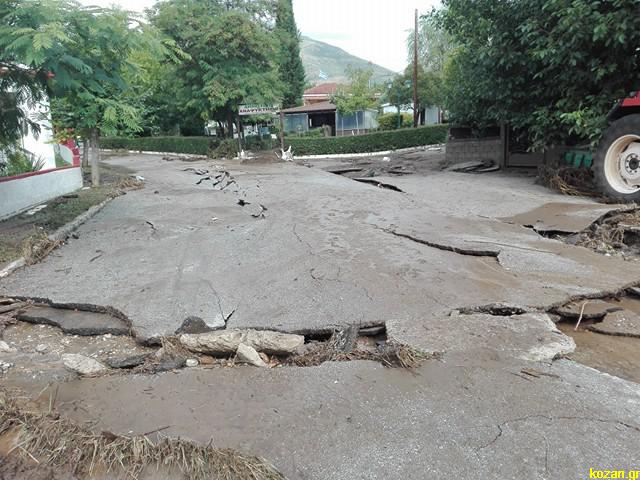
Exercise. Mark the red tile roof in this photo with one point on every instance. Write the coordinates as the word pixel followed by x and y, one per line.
pixel 322 89
pixel 314 107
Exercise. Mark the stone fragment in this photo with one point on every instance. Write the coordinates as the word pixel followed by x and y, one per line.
pixel 41 348
pixel 226 342
pixel 75 322
pixel 5 348
pixel 170 363
pixel 128 362
pixel 83 365
pixel 192 362
pixel 247 354
pixel 206 360
pixel 622 323
pixel 198 325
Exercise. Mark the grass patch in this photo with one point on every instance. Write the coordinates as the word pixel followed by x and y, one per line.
pixel 62 445
pixel 24 232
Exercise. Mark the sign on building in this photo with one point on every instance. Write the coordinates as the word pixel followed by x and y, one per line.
pixel 257 109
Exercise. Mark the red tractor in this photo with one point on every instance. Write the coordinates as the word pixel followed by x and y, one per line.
pixel 617 161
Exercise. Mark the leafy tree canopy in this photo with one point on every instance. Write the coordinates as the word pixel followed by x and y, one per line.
pixel 550 68
pixel 290 66
pixel 359 94
pixel 233 54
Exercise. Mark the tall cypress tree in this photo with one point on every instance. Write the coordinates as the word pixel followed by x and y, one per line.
pixel 290 67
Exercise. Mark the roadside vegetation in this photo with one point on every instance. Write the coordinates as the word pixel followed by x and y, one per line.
pixel 26 235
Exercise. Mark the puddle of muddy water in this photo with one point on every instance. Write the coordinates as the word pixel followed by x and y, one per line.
pixel 610 354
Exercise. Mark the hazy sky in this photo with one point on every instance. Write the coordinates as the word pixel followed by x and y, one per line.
pixel 375 30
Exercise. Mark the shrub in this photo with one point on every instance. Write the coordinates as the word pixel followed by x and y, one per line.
pixel 371 142
pixel 192 145
pixel 20 162
pixel 228 148
pixel 389 121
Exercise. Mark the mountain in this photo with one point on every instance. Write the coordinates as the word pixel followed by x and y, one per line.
pixel 333 61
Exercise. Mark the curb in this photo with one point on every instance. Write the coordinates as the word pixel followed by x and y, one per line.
pixel 59 235
pixel 423 148
pixel 434 147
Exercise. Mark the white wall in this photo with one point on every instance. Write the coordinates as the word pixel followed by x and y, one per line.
pixel 41 146
pixel 20 194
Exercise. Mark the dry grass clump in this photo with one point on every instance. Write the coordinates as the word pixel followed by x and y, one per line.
pixel 37 246
pixel 390 354
pixel 616 232
pixel 568 180
pixel 52 442
pixel 129 183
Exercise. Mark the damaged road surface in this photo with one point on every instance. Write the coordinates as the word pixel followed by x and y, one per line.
pixel 432 265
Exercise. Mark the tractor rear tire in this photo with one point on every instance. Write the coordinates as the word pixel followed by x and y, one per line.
pixel 620 135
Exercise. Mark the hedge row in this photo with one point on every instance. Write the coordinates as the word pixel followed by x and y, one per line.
pixel 194 145
pixel 371 142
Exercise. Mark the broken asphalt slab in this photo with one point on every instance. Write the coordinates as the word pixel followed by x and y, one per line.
pixel 530 336
pixel 563 217
pixel 324 256
pixel 622 323
pixel 75 322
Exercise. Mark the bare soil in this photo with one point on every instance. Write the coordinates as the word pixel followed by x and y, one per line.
pixel 16 231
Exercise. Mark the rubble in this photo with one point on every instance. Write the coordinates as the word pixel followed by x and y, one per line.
pixel 5 348
pixel 83 365
pixel 586 309
pixel 192 362
pixel 226 342
pixel 127 362
pixel 247 354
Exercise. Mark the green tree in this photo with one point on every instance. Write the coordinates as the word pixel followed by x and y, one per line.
pixel 290 65
pixel 550 68
pixel 87 51
pixel 232 55
pixel 358 95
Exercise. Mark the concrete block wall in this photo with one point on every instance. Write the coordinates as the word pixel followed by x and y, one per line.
pixel 472 149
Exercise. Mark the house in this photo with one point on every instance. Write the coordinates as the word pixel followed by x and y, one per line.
pixel 318 112
pixel 319 94
pixel 54 171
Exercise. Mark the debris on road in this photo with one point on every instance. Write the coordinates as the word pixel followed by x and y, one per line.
pixel 225 342
pixel 248 354
pixel 83 365
pixel 378 183
pixel 44 443
pixel 131 361
pixel 5 348
pixel 197 325
pixel 191 362
pixel 617 233
pixel 481 166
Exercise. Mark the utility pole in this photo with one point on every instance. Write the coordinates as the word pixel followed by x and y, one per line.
pixel 415 74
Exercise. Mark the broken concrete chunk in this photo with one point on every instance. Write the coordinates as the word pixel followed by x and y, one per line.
pixel 76 322
pixel 197 325
pixel 128 362
pixel 191 362
pixel 5 348
pixel 622 323
pixel 593 309
pixel 170 363
pixel 226 342
pixel 83 365
pixel 247 354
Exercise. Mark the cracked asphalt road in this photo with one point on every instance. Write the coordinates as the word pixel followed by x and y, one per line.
pixel 332 251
